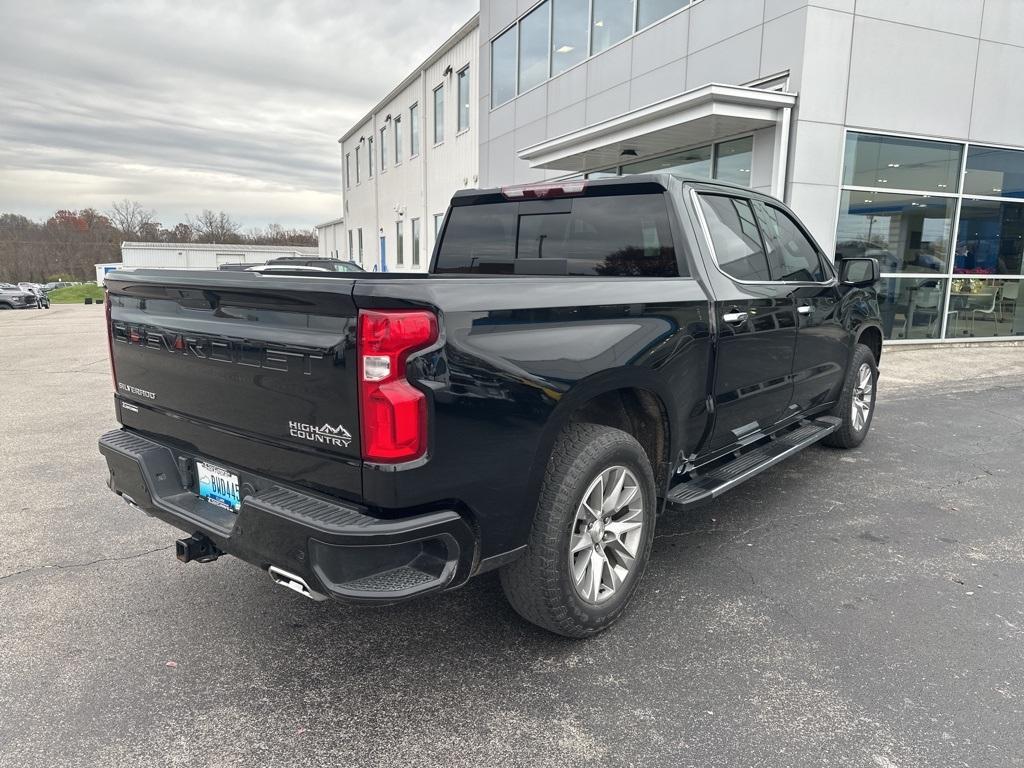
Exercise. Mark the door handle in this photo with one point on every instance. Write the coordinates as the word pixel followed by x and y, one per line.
pixel 735 318
pixel 805 309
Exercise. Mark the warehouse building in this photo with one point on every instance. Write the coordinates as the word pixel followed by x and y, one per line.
pixel 890 128
pixel 197 255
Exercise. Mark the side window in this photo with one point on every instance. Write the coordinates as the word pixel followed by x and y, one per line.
pixel 791 256
pixel 735 238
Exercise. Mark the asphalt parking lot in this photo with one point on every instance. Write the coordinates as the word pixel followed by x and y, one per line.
pixel 844 609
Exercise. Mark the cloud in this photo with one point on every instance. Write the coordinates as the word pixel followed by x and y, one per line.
pixel 190 105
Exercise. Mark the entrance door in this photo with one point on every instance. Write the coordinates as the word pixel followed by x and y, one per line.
pixel 757 327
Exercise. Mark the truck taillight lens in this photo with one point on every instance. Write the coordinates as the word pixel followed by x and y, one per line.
pixel 110 338
pixel 393 413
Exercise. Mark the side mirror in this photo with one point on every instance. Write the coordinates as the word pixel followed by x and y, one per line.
pixel 859 272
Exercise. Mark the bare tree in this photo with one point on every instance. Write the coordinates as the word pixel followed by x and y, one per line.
pixel 134 221
pixel 210 227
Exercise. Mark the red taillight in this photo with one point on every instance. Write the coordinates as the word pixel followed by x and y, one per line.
pixel 110 338
pixel 542 191
pixel 392 411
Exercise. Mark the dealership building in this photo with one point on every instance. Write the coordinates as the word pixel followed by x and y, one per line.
pixel 888 127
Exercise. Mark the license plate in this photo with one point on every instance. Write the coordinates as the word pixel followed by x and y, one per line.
pixel 218 486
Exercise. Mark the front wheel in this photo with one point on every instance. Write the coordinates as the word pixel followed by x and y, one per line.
pixel 591 536
pixel 856 406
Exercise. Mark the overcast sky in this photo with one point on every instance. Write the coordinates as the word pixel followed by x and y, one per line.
pixel 186 105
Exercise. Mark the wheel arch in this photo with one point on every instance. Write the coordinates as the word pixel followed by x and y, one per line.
pixel 870 335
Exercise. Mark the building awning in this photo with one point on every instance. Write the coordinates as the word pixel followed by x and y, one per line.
pixel 690 119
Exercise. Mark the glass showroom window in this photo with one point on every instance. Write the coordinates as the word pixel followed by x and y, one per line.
pixel 534 34
pixel 993 172
pixel 398 140
pixel 894 162
pixel 464 99
pixel 568 33
pixel 503 68
pixel 439 114
pixel 612 22
pixel 733 160
pixel 649 11
pixel 369 157
pixel 693 162
pixel 414 130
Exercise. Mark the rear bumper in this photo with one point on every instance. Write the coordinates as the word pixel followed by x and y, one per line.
pixel 338 548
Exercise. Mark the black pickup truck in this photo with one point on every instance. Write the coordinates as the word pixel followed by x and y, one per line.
pixel 581 357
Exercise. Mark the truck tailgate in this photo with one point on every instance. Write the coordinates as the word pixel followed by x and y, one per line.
pixel 249 370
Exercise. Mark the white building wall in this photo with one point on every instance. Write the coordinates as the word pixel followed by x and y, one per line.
pixel 330 240
pixel 203 255
pixel 417 186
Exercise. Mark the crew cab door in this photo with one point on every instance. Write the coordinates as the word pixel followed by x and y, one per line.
pixel 757 327
pixel 822 341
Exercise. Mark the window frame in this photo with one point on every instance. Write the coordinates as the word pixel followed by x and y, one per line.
pixel 348 170
pixel 357 164
pixel 369 157
pixel 415 235
pixel 399 243
pixel 459 127
pixel 396 125
pixel 414 130
pixel 695 195
pixel 434 124
pixel 383 148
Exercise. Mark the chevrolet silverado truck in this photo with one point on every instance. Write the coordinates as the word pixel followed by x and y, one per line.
pixel 580 358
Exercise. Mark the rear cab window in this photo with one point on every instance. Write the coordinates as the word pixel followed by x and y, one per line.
pixel 620 235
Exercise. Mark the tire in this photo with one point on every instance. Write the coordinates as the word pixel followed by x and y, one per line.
pixel 6 306
pixel 856 420
pixel 543 586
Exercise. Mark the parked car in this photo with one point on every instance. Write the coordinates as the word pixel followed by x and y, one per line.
pixel 42 300
pixel 13 297
pixel 330 265
pixel 286 268
pixel 582 357
pixel 236 266
pixel 55 285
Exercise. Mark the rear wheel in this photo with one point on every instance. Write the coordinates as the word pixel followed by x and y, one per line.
pixel 591 535
pixel 856 406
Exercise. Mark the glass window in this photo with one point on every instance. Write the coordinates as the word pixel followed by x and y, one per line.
pixel 439 114
pixel 351 251
pixel 990 240
pixel 369 157
pixel 568 33
pixel 649 11
pixel 906 233
pixel 534 40
pixel 613 21
pixel 791 256
pixel 414 130
pixel 398 140
pixel 359 232
pixel 357 164
pixel 980 308
pixel 383 148
pixel 438 221
pixel 464 99
pixel 733 160
pixel 609 236
pixel 994 172
pixel 694 163
pixel 348 171
pixel 415 242
pixel 735 237
pixel 399 244
pixel 503 68
pixel 911 307
pixel 901 163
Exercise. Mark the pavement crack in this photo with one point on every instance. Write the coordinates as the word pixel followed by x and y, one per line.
pixel 69 566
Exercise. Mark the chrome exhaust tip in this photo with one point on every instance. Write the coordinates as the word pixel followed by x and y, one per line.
pixel 294 583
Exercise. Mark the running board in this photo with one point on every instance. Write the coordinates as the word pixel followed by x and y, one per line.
pixel 728 476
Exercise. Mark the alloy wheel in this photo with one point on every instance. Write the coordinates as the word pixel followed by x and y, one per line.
pixel 863 396
pixel 606 536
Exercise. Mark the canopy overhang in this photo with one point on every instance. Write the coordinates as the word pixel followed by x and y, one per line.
pixel 690 119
